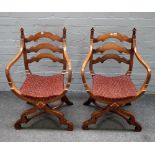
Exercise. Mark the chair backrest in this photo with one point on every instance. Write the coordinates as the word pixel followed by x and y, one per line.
pixel 112 46
pixel 40 46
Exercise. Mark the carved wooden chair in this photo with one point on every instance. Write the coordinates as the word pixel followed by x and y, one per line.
pixel 40 91
pixel 115 91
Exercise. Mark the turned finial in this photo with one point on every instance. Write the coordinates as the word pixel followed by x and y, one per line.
pixel 134 32
pixel 22 32
pixel 92 33
pixel 64 32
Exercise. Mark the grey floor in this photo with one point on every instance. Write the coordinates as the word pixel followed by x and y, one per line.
pixel 47 128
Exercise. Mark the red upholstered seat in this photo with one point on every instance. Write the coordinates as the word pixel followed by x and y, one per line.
pixel 41 87
pixel 114 88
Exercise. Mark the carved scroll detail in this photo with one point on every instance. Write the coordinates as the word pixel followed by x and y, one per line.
pixel 39 35
pixel 118 36
pixel 111 46
pixel 45 46
pixel 111 56
pixel 45 55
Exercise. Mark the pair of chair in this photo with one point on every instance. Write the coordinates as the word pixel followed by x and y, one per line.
pixel 41 91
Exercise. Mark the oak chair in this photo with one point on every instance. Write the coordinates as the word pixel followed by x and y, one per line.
pixel 41 91
pixel 116 91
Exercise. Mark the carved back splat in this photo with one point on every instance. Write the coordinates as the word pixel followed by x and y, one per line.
pixel 45 46
pixel 43 35
pixel 40 46
pixel 45 55
pixel 110 56
pixel 112 46
pixel 118 36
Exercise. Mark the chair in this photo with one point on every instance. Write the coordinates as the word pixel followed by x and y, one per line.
pixel 116 91
pixel 40 91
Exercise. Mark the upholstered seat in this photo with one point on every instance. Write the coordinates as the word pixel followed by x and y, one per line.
pixel 42 87
pixel 114 88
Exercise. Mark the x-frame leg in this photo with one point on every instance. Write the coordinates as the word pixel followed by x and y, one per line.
pixel 36 111
pixel 129 117
pixel 128 104
pixel 60 116
pixel 66 100
pixel 95 115
pixel 89 101
pixel 25 117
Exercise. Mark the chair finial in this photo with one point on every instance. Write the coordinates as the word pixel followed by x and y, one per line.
pixel 134 32
pixel 22 32
pixel 92 33
pixel 64 32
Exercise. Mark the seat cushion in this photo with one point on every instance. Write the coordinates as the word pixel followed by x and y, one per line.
pixel 113 88
pixel 42 87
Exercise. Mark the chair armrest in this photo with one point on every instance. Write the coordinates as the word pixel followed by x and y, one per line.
pixel 148 69
pixel 84 66
pixel 8 67
pixel 68 61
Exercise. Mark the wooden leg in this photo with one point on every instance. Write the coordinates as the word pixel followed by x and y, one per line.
pixel 94 117
pixel 129 117
pixel 29 103
pixel 61 117
pixel 66 100
pixel 88 101
pixel 128 104
pixel 56 107
pixel 24 117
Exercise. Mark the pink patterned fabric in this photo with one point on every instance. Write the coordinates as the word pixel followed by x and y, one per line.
pixel 42 87
pixel 114 88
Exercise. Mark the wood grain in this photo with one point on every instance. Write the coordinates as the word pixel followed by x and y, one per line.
pixel 39 35
pixel 44 46
pixel 113 35
pixel 111 56
pixel 111 46
pixel 45 55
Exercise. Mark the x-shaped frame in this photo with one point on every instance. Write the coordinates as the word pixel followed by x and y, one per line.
pixel 115 108
pixel 41 108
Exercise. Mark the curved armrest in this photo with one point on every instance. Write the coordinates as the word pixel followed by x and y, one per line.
pixel 84 66
pixel 148 77
pixel 8 67
pixel 67 59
